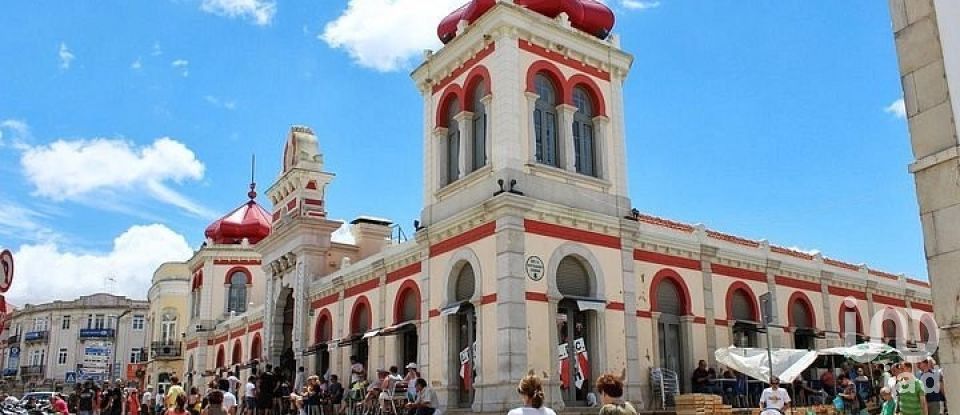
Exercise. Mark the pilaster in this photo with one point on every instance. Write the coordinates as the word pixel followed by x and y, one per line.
pixel 707 255
pixel 463 120
pixel 629 231
pixel 567 152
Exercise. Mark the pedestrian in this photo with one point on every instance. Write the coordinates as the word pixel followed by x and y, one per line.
pixel 147 401
pixel 215 404
pixel 174 392
pixel 59 405
pixel 932 381
pixel 159 400
pixel 774 400
pixel 411 380
pixel 250 395
pixel 357 371
pixel 610 387
pixel 911 397
pixel 530 390
pixel 889 406
pixel 234 383
pixel 133 402
pixel 335 391
pixel 229 400
pixel 266 387
pixel 179 406
pixel 851 399
pixel 427 402
pixel 87 397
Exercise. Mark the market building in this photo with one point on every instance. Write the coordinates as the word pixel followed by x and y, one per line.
pixel 94 337
pixel 529 254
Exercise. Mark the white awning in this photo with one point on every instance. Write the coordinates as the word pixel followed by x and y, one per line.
pixel 449 311
pixel 753 362
pixel 371 333
pixel 595 305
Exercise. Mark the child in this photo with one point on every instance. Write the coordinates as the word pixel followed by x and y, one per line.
pixel 889 406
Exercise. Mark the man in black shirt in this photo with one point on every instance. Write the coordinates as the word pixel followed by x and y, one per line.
pixel 86 398
pixel 266 390
pixel 702 377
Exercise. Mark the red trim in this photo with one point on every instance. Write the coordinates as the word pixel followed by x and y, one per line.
pixel 790 252
pixel 841 264
pixel 732 239
pixel 434 313
pixel 552 72
pixel 846 292
pixel 616 305
pixel 882 274
pixel 276 216
pixel 221 339
pixel 197 280
pixel 291 204
pixel 462 239
pixel 226 278
pixel 599 103
pixel 312 185
pixel 477 74
pixel 255 345
pixel 488 299
pixel 889 301
pixel 742 287
pixel 324 301
pixel 798 284
pixel 721 322
pixel 664 259
pixel 314 202
pixel 561 59
pixel 535 296
pixel 237 353
pixel 323 317
pixel 644 314
pixel 193 344
pixel 236 262
pixel 673 276
pixel 361 288
pixel 487 50
pixel 918 282
pixel 571 234
pixel 237 333
pixel 808 307
pixel 255 326
pixel 362 301
pixel 700 320
pixel 210 342
pixel 407 286
pixel 401 273
pixel 741 273
pixel 452 92
pixel 923 307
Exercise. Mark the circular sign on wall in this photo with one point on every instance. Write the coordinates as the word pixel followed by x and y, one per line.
pixel 534 268
pixel 6 263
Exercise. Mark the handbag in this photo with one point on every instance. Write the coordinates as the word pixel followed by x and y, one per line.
pixel 838 403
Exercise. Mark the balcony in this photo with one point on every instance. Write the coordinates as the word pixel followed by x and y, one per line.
pixel 9 372
pixel 97 333
pixel 13 339
pixel 35 370
pixel 36 336
pixel 166 350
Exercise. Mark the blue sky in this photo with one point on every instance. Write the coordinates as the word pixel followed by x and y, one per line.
pixel 128 126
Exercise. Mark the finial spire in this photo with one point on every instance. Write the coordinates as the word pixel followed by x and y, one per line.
pixel 252 194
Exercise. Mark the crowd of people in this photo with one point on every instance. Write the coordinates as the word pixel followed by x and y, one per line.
pixel 899 388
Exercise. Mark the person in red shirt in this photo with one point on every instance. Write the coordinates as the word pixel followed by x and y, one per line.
pixel 60 405
pixel 133 402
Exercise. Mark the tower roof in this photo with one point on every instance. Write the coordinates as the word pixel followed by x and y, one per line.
pixel 250 221
pixel 590 16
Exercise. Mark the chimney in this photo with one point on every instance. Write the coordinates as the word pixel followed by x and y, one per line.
pixel 370 234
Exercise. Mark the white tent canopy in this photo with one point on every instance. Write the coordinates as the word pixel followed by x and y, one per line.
pixel 753 362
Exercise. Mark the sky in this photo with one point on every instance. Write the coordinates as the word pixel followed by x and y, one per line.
pixel 127 127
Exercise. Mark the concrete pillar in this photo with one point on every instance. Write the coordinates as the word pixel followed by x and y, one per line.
pixel 927 34
pixel 629 230
pixel 707 255
pixel 565 148
pixel 776 333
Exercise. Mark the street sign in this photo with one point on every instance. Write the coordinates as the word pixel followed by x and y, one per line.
pixel 70 378
pixel 6 263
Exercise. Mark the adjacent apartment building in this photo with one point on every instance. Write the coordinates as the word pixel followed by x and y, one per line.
pixel 93 337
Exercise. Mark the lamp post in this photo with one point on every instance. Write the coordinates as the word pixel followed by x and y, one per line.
pixel 116 342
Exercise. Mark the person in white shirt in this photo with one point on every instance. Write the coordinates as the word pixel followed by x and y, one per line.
pixel 357 371
pixel 530 390
pixel 774 400
pixel 427 402
pixel 250 396
pixel 147 400
pixel 298 381
pixel 234 385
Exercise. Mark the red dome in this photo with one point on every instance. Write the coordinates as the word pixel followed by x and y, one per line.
pixel 247 221
pixel 589 16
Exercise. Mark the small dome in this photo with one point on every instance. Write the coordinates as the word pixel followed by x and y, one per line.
pixel 247 221
pixel 590 16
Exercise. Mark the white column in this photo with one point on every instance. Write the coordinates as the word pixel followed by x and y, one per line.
pixel 603 157
pixel 566 150
pixel 463 120
pixel 487 130
pixel 531 129
pixel 439 145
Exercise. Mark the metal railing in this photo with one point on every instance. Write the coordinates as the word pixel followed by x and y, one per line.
pixel 161 350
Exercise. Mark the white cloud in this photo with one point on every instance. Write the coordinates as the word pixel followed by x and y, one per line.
pixel 260 11
pixel 897 109
pixel 66 56
pixel 220 103
pixel 639 4
pixel 136 65
pixel 48 271
pixel 88 169
pixel 18 130
pixel 183 65
pixel 386 34
pixel 22 223
pixel 157 51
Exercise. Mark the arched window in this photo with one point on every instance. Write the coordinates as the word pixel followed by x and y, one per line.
pixel 545 121
pixel 669 299
pixel 572 278
pixel 220 357
pixel 479 126
pixel 465 284
pixel 168 327
pixel 584 145
pixel 237 296
pixel 324 330
pixel 255 347
pixel 361 316
pixel 453 141
pixel 742 307
pixel 237 353
pixel 800 314
pixel 409 303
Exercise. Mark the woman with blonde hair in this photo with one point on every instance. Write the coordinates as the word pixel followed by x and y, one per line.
pixel 530 390
pixel 610 387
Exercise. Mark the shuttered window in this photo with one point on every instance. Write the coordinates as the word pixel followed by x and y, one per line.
pixel 363 319
pixel 800 314
pixel 325 329
pixel 408 309
pixel 668 298
pixel 465 284
pixel 572 278
pixel 742 306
